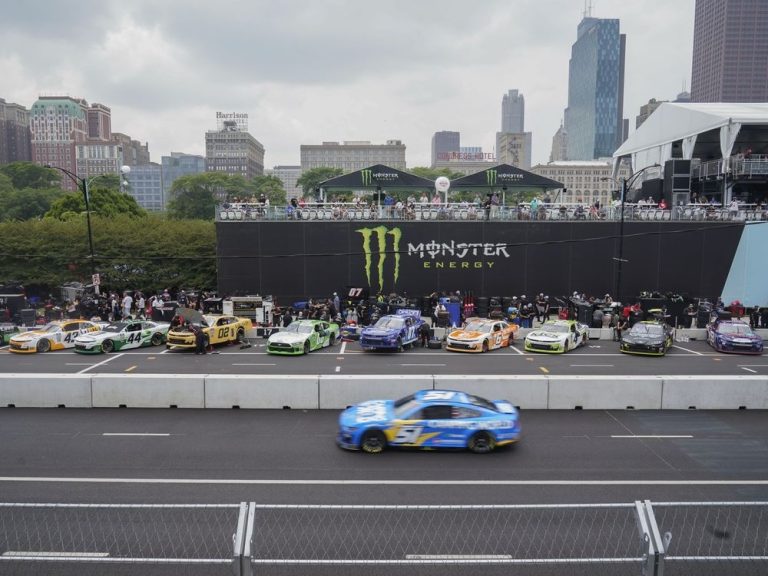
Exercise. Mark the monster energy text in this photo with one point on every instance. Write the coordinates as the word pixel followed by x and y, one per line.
pixel 380 233
pixel 440 254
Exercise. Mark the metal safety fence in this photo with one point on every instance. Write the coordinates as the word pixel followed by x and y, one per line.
pixel 640 538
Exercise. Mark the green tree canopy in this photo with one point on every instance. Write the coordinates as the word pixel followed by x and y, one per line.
pixel 435 173
pixel 272 188
pixel 195 196
pixel 31 175
pixel 310 179
pixel 103 202
pixel 26 204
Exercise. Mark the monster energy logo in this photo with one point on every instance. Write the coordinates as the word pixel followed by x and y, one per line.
pixel 367 176
pixel 490 177
pixel 380 233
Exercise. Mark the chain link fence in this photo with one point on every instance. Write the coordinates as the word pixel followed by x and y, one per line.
pixel 640 538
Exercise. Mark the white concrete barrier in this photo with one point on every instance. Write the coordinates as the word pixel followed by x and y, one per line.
pixel 148 390
pixel 527 392
pixel 340 391
pixel 262 391
pixel 605 392
pixel 45 390
pixel 715 392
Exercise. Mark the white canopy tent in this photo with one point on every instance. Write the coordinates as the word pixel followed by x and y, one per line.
pixel 671 122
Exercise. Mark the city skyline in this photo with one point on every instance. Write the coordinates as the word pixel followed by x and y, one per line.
pixel 292 71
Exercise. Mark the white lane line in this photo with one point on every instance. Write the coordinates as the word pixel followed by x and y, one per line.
pixel 338 368
pixel 591 365
pixel 748 369
pixel 343 348
pixel 520 352
pixel 77 364
pixel 662 436
pixel 687 350
pixel 223 481
pixel 134 434
pixel 252 364
pixel 165 351
pixel 84 370
pixel 458 557
pixel 26 554
pixel 422 364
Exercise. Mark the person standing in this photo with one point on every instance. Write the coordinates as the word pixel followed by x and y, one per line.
pixel 127 305
pixel 621 325
pixel 424 332
pixel 199 339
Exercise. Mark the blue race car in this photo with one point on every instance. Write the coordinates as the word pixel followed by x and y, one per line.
pixel 392 332
pixel 734 336
pixel 429 419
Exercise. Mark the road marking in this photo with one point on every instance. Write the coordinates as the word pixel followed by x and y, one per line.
pixel 131 369
pixel 25 554
pixel 458 557
pixel 688 350
pixel 134 434
pixel 77 364
pixel 591 365
pixel 543 369
pixel 84 370
pixel 343 348
pixel 748 369
pixel 278 482
pixel 338 368
pixel 651 436
pixel 520 352
pixel 252 364
pixel 152 357
pixel 422 364
pixel 717 359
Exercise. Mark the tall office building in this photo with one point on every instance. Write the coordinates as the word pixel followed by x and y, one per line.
pixel 559 151
pixel 646 110
pixel 145 184
pixel 594 118
pixel 134 152
pixel 99 154
pixel 730 52
pixel 352 155
pixel 177 165
pixel 288 175
pixel 15 137
pixel 513 112
pixel 232 149
pixel 514 149
pixel 445 145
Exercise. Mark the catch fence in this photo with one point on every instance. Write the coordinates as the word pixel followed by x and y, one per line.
pixel 639 538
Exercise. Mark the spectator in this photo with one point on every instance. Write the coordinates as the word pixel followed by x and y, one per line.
pixel 733 209
pixel 424 333
pixel 621 325
pixel 127 305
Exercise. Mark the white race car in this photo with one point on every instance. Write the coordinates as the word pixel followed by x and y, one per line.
pixel 557 336
pixel 53 336
pixel 122 336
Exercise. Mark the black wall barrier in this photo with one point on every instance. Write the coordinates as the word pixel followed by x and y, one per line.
pixel 293 260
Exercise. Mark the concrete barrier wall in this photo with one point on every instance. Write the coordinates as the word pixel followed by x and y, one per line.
pixel 45 390
pixel 605 392
pixel 341 391
pixel 527 392
pixel 248 391
pixel 715 392
pixel 148 390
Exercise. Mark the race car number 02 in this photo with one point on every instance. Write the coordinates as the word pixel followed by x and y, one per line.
pixel 223 332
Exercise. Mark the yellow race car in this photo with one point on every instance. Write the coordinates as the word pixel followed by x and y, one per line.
pixel 53 336
pixel 218 329
pixel 481 335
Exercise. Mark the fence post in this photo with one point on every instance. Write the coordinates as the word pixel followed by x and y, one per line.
pixel 246 566
pixel 238 539
pixel 659 543
pixel 649 550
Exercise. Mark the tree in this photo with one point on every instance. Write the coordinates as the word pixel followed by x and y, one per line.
pixel 26 204
pixel 272 188
pixel 312 178
pixel 103 202
pixel 195 196
pixel 435 173
pixel 31 175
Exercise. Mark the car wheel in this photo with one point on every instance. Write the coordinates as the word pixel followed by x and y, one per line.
pixel 332 339
pixel 373 442
pixel 565 346
pixel 43 345
pixel 239 337
pixel 107 346
pixel 157 339
pixel 485 345
pixel 481 443
pixel 584 340
pixel 306 347
pixel 399 345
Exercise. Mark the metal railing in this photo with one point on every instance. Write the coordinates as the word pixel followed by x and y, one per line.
pixel 642 538
pixel 462 212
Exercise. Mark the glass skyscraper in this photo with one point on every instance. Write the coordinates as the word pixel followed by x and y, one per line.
pixel 594 119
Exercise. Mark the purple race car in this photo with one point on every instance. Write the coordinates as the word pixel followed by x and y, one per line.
pixel 734 336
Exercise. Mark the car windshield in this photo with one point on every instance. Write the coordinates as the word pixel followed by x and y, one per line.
pixel 298 328
pixel 561 328
pixel 647 330
pixel 115 327
pixel 735 330
pixel 389 322
pixel 478 326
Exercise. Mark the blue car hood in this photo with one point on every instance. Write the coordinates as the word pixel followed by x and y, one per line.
pixel 367 413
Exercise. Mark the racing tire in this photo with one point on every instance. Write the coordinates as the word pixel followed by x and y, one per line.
pixel 399 346
pixel 566 347
pixel 434 344
pixel 157 339
pixel 485 346
pixel 481 443
pixel 43 345
pixel 306 347
pixel 373 442
pixel 107 346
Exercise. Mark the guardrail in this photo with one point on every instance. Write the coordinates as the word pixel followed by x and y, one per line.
pixel 337 391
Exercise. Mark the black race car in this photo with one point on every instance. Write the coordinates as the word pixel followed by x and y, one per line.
pixel 648 338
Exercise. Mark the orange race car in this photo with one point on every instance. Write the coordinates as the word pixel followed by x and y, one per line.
pixel 481 335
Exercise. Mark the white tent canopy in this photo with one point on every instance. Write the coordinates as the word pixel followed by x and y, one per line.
pixel 672 122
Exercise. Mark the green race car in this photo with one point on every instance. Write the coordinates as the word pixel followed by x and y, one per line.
pixel 303 336
pixel 122 336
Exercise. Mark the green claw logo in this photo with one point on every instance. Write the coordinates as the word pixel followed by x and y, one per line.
pixel 381 233
pixel 367 176
pixel 490 177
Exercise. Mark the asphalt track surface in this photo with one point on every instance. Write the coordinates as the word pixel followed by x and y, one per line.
pixel 598 357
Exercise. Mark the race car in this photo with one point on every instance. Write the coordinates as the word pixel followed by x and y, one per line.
pixel 557 336
pixel 429 419
pixel 733 336
pixel 647 338
pixel 303 336
pixel 7 331
pixel 393 331
pixel 217 329
pixel 122 336
pixel 53 336
pixel 481 335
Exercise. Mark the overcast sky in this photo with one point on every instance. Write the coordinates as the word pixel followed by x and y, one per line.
pixel 308 71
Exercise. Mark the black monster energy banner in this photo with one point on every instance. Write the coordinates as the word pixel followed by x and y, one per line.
pixel 292 260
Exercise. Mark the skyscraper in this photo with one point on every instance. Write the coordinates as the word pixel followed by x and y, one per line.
pixel 232 149
pixel 15 137
pixel 594 119
pixel 730 53
pixel 513 112
pixel 445 144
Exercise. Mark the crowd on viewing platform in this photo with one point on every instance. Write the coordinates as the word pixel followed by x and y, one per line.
pixel 545 209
